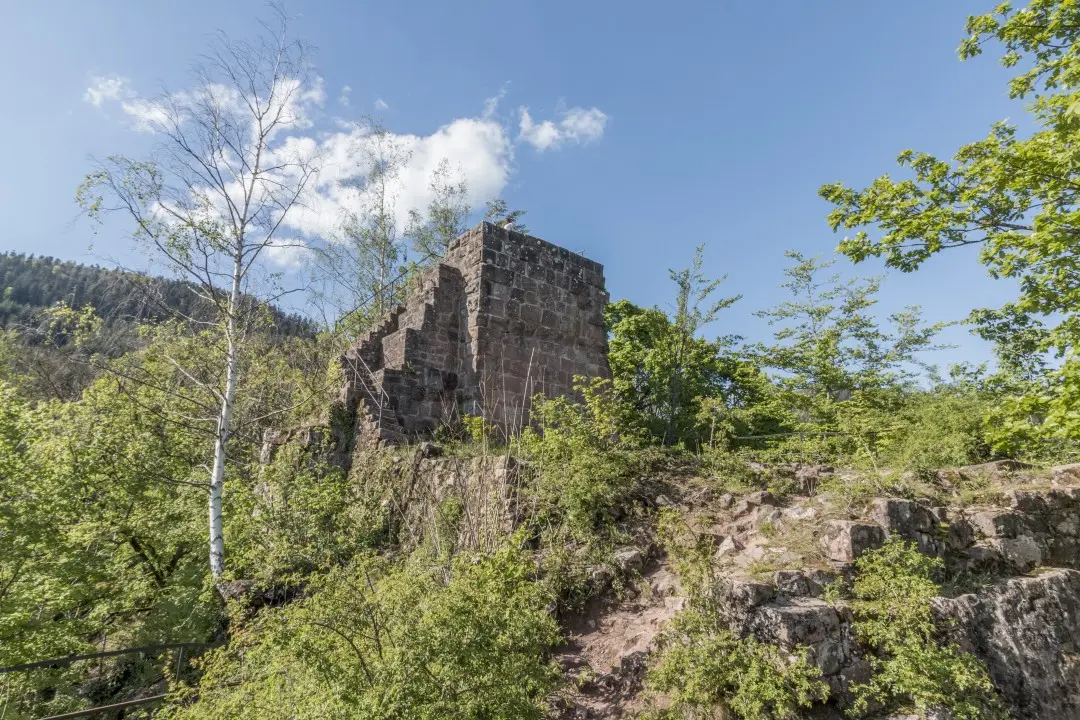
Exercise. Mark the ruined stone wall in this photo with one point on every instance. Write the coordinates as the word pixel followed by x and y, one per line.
pixel 539 323
pixel 501 317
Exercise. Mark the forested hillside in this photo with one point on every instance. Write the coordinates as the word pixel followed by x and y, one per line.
pixel 29 284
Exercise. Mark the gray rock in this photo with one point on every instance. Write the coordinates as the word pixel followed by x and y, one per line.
pixel 804 622
pixel 725 501
pixel 748 593
pixel 628 559
pixel 961 535
pixel 728 547
pixel 1027 632
pixel 1066 473
pixel 997 524
pixel 1027 501
pixel 1021 552
pixel 791 582
pixel 768 514
pixel 843 541
pixel 759 498
pixel 903 517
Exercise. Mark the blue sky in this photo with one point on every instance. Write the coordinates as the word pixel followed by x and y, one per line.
pixel 670 124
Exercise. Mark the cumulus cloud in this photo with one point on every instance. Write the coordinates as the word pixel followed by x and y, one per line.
pixel 479 149
pixel 577 125
pixel 287 252
pixel 298 103
pixel 106 87
pixel 381 104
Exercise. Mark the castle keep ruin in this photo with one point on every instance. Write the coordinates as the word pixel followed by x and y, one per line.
pixel 501 317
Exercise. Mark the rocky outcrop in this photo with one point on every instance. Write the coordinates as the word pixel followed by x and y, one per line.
pixel 1027 632
pixel 1025 629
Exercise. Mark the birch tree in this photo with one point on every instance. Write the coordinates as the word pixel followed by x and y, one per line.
pixel 211 200
pixel 361 267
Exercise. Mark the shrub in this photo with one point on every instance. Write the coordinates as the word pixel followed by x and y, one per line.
pixel 893 617
pixel 587 462
pixel 402 641
pixel 943 428
pixel 705 667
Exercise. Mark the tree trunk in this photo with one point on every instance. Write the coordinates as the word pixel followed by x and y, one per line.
pixel 217 474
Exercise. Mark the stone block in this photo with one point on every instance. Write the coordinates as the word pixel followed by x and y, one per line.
pixel 791 582
pixel 747 593
pixel 1021 552
pixel 997 524
pixel 843 541
pixel 903 517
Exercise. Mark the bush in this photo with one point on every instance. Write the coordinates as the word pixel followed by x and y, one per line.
pixel 943 428
pixel 379 640
pixel 587 462
pixel 705 667
pixel 893 617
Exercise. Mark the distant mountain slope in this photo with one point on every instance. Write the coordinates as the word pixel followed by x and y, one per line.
pixel 29 284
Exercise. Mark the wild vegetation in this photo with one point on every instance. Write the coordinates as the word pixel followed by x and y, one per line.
pixel 135 509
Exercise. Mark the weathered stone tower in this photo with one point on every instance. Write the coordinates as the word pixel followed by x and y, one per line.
pixel 501 317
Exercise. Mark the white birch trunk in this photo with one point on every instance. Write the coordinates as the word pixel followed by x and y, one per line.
pixel 217 473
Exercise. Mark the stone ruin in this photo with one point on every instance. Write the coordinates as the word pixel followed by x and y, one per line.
pixel 501 317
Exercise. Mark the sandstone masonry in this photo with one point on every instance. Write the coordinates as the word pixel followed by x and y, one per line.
pixel 501 317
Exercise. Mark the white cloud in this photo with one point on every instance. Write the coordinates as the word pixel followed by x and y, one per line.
pixel 287 252
pixel 479 149
pixel 106 87
pixel 299 103
pixel 492 103
pixel 343 96
pixel 577 125
pixel 380 104
pixel 146 115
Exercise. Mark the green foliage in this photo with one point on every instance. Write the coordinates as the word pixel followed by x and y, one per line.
pixel 587 464
pixel 1012 195
pixel 828 347
pixel 446 214
pixel 380 640
pixel 304 517
pixel 678 386
pixel 706 668
pixel 100 534
pixel 892 592
pixel 944 427
pixel 498 211
pixel 102 507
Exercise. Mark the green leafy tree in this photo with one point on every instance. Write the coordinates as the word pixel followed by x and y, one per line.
pixel 585 456
pixel 446 214
pixel 829 349
pixel 379 640
pixel 660 367
pixel 499 211
pixel 1013 195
